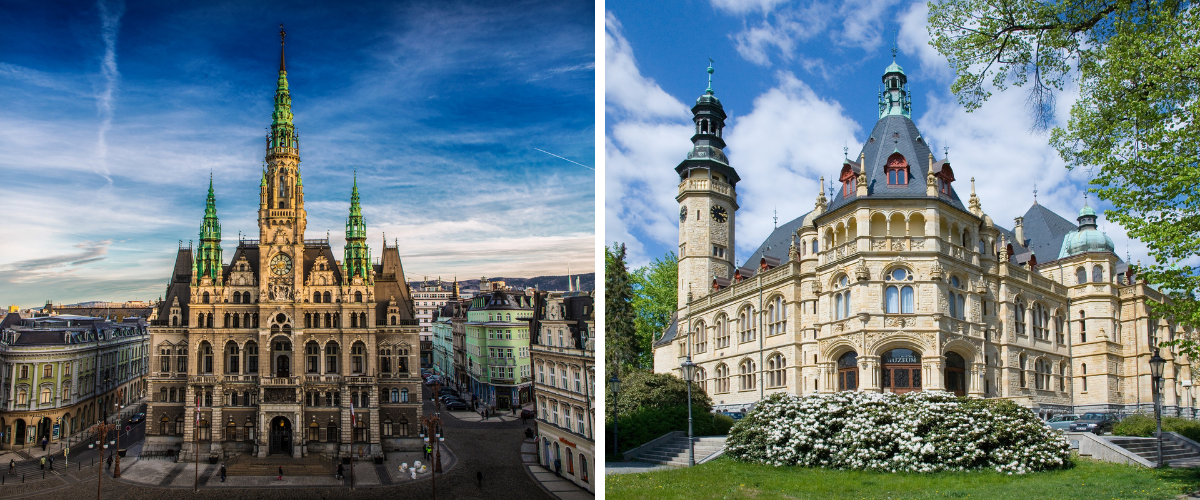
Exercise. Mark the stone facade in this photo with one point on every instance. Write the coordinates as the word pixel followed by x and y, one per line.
pixel 896 285
pixel 273 351
pixel 564 361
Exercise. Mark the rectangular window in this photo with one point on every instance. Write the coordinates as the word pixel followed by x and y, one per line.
pixel 166 364
pixel 719 251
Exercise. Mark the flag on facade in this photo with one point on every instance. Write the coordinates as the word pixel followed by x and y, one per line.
pixel 197 409
pixel 351 413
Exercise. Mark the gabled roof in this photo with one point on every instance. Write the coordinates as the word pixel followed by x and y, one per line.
pixel 892 134
pixel 777 243
pixel 1044 232
pixel 669 333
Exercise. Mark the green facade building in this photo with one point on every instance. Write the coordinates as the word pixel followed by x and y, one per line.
pixel 497 348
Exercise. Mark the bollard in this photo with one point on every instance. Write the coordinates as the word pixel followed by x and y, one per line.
pixel 22 478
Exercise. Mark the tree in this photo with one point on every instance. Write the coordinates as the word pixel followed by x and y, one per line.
pixel 645 389
pixel 655 296
pixel 620 343
pixel 1138 66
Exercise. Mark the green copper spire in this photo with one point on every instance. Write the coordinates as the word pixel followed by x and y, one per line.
pixel 283 133
pixel 357 256
pixel 208 256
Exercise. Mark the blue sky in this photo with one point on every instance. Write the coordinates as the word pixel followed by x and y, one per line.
pixel 799 81
pixel 115 114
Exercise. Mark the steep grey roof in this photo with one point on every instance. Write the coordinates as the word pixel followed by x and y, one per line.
pixel 894 133
pixel 777 243
pixel 669 333
pixel 1044 233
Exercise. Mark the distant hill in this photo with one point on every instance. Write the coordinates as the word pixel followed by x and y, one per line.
pixel 552 283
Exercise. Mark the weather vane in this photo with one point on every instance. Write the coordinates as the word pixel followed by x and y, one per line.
pixel 282 34
pixel 1035 193
pixel 776 217
pixel 895 38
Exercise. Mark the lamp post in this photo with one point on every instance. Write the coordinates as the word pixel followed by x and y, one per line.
pixel 1156 373
pixel 117 426
pixel 101 429
pixel 614 387
pixel 433 425
pixel 689 370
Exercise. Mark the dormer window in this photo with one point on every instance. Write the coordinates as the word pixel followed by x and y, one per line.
pixel 847 177
pixel 897 170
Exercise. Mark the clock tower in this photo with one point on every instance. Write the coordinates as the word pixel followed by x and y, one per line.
pixel 281 215
pixel 707 202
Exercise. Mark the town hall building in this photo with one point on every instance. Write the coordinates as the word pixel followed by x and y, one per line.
pixel 284 349
pixel 895 284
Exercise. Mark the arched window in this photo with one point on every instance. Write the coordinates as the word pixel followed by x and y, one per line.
pixel 699 337
pixel 841 298
pixel 326 298
pixel 776 374
pixel 701 380
pixel 722 333
pixel 1083 377
pixel 897 170
pixel 1062 376
pixel 814 246
pixel 358 296
pixel 746 371
pixel 956 374
pixel 1097 274
pixel 1080 276
pixel 721 376
pixel 232 356
pixel 898 297
pixel 1058 329
pixel 164 426
pixel 956 300
pixel 317 297
pixel 331 358
pixel 237 297
pixel 205 297
pixel 747 330
pixel 1019 324
pixel 1041 369
pixel 1041 322
pixel 356 357
pixel 776 316
pixel 312 352
pixel 1082 327
pixel 206 358
pixel 847 372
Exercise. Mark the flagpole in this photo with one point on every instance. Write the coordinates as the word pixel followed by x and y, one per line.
pixel 196 437
pixel 352 445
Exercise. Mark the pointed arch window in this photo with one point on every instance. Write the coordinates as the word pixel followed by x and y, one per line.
pixel 700 336
pixel 776 374
pixel 722 333
pixel 841 298
pixel 1019 305
pixel 747 330
pixel 776 316
pixel 956 300
pixel 746 378
pixel 898 296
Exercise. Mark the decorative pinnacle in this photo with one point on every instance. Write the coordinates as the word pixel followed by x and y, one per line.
pixel 846 151
pixel 1035 193
pixel 282 34
pixel 710 73
pixel 895 37
pixel 945 153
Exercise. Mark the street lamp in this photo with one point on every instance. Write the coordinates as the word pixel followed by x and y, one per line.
pixel 614 386
pixel 1156 373
pixel 689 370
pixel 433 434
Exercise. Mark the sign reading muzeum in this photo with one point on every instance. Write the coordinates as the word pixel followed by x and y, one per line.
pixel 896 285
pixel 276 349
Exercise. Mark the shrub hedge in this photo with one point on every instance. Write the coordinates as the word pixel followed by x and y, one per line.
pixel 914 432
pixel 648 423
pixel 1144 426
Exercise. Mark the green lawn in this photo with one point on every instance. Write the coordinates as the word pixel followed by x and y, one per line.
pixel 724 478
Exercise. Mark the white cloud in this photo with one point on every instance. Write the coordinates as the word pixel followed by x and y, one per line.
pixel 790 138
pixel 625 89
pixel 863 22
pixel 783 27
pixel 779 32
pixel 746 6
pixel 914 41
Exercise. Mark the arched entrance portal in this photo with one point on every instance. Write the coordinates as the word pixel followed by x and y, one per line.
pixel 902 370
pixel 848 372
pixel 956 374
pixel 20 432
pixel 281 436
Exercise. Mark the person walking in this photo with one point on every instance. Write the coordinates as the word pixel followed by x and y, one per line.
pixel 479 477
pixel 51 460
pixel 109 462
pixel 12 466
pixel 341 470
pixel 43 463
pixel 280 478
pixel 222 473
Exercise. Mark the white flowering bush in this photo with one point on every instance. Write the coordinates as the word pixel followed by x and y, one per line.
pixel 914 432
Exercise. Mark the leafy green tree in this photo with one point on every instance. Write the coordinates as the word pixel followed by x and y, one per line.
pixel 645 389
pixel 620 342
pixel 654 301
pixel 1134 122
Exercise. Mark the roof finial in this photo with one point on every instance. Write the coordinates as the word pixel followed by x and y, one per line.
pixel 282 34
pixel 1035 193
pixel 945 153
pixel 846 150
pixel 710 73
pixel 776 217
pixel 1085 198
pixel 973 189
pixel 895 37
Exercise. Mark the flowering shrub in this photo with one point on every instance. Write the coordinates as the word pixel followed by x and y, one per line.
pixel 914 432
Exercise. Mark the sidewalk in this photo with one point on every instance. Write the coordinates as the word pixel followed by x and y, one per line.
pixel 559 487
pixel 632 467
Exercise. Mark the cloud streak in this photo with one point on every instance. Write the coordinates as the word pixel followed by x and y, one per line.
pixel 110 25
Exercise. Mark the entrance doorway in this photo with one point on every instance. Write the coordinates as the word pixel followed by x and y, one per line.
pixel 902 370
pixel 502 401
pixel 20 433
pixel 283 366
pixel 956 374
pixel 848 372
pixel 281 436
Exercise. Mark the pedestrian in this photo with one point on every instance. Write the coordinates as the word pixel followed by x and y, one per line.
pixel 280 473
pixel 109 462
pixel 479 477
pixel 222 473
pixel 513 411
pixel 428 452
pixel 528 433
pixel 51 463
pixel 43 466
pixel 557 467
pixel 43 444
pixel 12 466
pixel 340 471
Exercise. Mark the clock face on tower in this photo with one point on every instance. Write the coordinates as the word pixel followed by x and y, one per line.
pixel 719 214
pixel 281 264
pixel 682 214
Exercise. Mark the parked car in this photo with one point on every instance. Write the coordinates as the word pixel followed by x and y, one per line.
pixel 137 418
pixel 433 380
pixel 447 397
pixel 735 415
pixel 457 406
pixel 1062 422
pixel 527 413
pixel 448 390
pixel 1096 423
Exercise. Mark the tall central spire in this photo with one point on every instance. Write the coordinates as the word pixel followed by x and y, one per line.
pixel 357 256
pixel 208 257
pixel 282 130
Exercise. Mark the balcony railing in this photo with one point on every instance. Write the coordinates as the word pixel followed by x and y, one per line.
pixel 323 379
pixel 281 381
pixel 360 380
pixel 202 379
pixel 241 378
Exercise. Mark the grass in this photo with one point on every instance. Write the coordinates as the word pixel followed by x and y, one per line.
pixel 727 479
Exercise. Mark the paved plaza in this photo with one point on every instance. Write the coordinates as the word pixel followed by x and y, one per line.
pixel 490 449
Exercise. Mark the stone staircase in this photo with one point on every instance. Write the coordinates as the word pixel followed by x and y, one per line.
pixel 675 451
pixel 1174 454
pixel 269 466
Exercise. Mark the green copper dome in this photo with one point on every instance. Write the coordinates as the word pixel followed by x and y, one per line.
pixel 1086 210
pixel 894 68
pixel 1087 238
